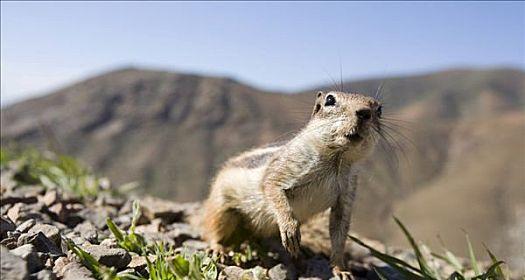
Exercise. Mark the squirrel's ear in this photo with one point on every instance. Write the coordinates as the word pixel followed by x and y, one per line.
pixel 317 107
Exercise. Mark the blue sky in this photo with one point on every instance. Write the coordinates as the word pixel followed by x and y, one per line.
pixel 280 46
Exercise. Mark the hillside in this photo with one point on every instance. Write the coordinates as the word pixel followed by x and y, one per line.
pixel 462 166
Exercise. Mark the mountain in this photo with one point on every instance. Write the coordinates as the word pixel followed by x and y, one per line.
pixel 458 162
pixel 167 130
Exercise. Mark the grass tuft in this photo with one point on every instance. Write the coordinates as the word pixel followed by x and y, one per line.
pixel 132 242
pixel 427 271
pixel 51 171
pixel 167 264
pixel 99 271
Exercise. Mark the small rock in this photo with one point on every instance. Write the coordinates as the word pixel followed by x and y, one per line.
pixel 125 272
pixel 49 263
pixel 11 266
pixel 124 220
pixel 14 233
pixel 137 262
pixel 25 226
pixel 51 232
pixel 75 238
pixel 195 245
pixel 97 216
pixel 14 212
pixel 154 208
pixel 50 198
pixel 28 253
pixel 41 243
pixel 43 275
pixel 59 212
pixel 10 242
pixel 233 272
pixel 87 231
pixel 75 271
pixel 59 265
pixel 237 273
pixel 116 257
pixel 181 232
pixel 60 226
pixel 153 227
pixel 281 272
pixel 22 212
pixel 5 226
pixel 109 243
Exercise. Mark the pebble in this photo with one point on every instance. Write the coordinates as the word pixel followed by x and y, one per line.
pixel 12 267
pixel 28 253
pixel 25 226
pixel 41 243
pixel 75 271
pixel 50 231
pixel 281 272
pixel 43 275
pixel 116 257
pixel 169 212
pixel 87 231
pixel 5 226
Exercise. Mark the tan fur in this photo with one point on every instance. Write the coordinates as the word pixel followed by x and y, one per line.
pixel 272 190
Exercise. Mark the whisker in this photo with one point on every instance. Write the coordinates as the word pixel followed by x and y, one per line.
pixel 378 95
pixel 334 86
pixel 386 118
pixel 341 75
pixel 389 151
pixel 396 124
pixel 397 133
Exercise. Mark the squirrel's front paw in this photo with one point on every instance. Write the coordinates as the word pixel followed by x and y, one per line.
pixel 342 274
pixel 291 237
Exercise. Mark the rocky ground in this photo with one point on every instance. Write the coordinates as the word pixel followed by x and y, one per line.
pixel 38 226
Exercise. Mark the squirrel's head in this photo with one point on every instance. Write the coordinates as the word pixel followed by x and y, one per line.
pixel 347 121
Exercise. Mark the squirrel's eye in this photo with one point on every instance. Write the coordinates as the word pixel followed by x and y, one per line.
pixel 330 100
pixel 379 111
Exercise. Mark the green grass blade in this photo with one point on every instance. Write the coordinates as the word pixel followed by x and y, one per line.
pixel 401 266
pixel 91 263
pixel 499 271
pixel 491 272
pixel 181 267
pixel 136 215
pixel 472 256
pixel 425 267
pixel 456 276
pixel 379 274
pixel 451 259
pixel 115 230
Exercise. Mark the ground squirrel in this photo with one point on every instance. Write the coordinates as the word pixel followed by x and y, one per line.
pixel 273 189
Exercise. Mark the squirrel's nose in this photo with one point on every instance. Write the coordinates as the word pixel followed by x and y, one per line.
pixel 364 114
